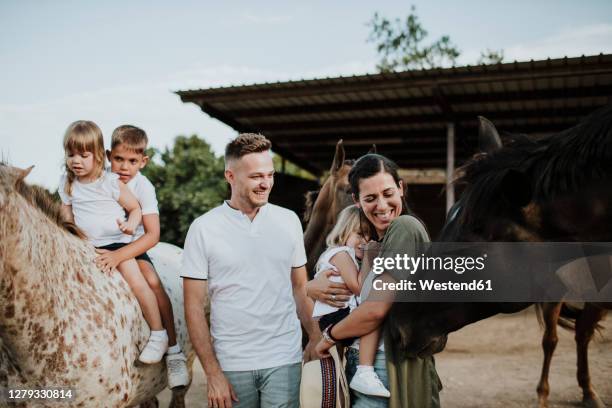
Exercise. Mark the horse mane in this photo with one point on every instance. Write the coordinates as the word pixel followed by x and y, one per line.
pixel 559 164
pixel 311 197
pixel 40 198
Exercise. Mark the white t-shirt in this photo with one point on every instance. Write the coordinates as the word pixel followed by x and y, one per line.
pixel 253 318
pixel 323 264
pixel 144 191
pixel 96 209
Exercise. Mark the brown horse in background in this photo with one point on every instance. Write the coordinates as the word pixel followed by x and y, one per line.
pixel 323 206
pixel 321 213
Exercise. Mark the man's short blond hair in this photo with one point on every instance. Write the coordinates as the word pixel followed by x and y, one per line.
pixel 134 138
pixel 244 144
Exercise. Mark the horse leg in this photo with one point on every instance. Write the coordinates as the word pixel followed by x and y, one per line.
pixel 550 315
pixel 178 397
pixel 585 327
pixel 152 403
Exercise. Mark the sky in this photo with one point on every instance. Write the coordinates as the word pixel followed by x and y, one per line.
pixel 120 62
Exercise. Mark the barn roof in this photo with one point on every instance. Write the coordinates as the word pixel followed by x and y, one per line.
pixel 406 113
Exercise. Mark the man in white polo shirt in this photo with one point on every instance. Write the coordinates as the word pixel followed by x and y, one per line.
pixel 249 257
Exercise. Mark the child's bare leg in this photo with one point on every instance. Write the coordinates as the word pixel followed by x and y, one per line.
pixel 146 298
pixel 368 346
pixel 163 301
pixel 178 375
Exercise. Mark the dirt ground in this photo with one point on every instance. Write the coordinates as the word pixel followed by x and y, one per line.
pixel 497 363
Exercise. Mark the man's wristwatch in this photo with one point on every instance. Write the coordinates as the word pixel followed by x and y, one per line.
pixel 327 334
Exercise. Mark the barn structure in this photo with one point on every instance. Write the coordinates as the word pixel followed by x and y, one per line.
pixel 425 120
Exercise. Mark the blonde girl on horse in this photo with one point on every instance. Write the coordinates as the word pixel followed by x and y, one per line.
pixel 96 201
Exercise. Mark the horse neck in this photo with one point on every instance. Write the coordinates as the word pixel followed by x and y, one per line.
pixel 40 261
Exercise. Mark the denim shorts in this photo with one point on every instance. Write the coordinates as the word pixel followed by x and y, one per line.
pixel 276 387
pixel 119 245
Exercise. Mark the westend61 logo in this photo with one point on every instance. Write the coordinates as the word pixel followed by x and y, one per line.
pixel 495 272
pixel 411 264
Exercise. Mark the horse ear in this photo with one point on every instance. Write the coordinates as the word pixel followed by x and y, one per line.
pixel 488 138
pixel 372 149
pixel 20 174
pixel 516 188
pixel 338 157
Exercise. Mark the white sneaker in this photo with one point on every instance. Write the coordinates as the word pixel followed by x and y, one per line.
pixel 176 365
pixel 154 350
pixel 367 382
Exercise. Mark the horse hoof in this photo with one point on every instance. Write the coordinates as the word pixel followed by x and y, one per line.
pixel 542 403
pixel 593 402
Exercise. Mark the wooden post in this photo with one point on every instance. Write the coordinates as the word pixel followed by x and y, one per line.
pixel 450 165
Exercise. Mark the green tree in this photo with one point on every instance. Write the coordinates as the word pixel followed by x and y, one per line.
pixel 401 44
pixel 189 181
pixel 291 168
pixel 491 57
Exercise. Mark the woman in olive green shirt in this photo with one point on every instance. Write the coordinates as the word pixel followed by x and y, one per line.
pixel 378 192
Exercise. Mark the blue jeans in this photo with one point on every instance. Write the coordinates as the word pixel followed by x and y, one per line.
pixel 276 387
pixel 359 400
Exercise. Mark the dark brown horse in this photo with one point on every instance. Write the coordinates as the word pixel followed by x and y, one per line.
pixel 555 188
pixel 584 322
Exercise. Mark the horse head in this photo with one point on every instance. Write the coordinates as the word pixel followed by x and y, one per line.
pixel 338 184
pixel 552 188
pixel 321 213
pixel 10 178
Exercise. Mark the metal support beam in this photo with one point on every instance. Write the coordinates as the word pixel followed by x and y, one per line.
pixel 423 176
pixel 450 165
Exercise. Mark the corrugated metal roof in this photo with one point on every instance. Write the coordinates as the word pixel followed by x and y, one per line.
pixel 405 113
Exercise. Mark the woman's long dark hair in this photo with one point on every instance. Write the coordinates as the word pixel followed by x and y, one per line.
pixel 365 167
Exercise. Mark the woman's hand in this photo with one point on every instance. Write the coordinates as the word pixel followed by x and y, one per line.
pixel 309 350
pixel 322 348
pixel 333 293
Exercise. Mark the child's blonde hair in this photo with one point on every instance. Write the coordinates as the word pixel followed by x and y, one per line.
pixel 83 136
pixel 347 223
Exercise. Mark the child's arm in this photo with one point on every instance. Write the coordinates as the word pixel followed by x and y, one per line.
pixel 110 259
pixel 348 271
pixel 128 201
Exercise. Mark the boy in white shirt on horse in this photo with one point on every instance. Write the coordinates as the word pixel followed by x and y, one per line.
pixel 127 157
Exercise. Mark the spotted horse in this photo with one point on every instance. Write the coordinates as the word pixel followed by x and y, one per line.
pixel 63 322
